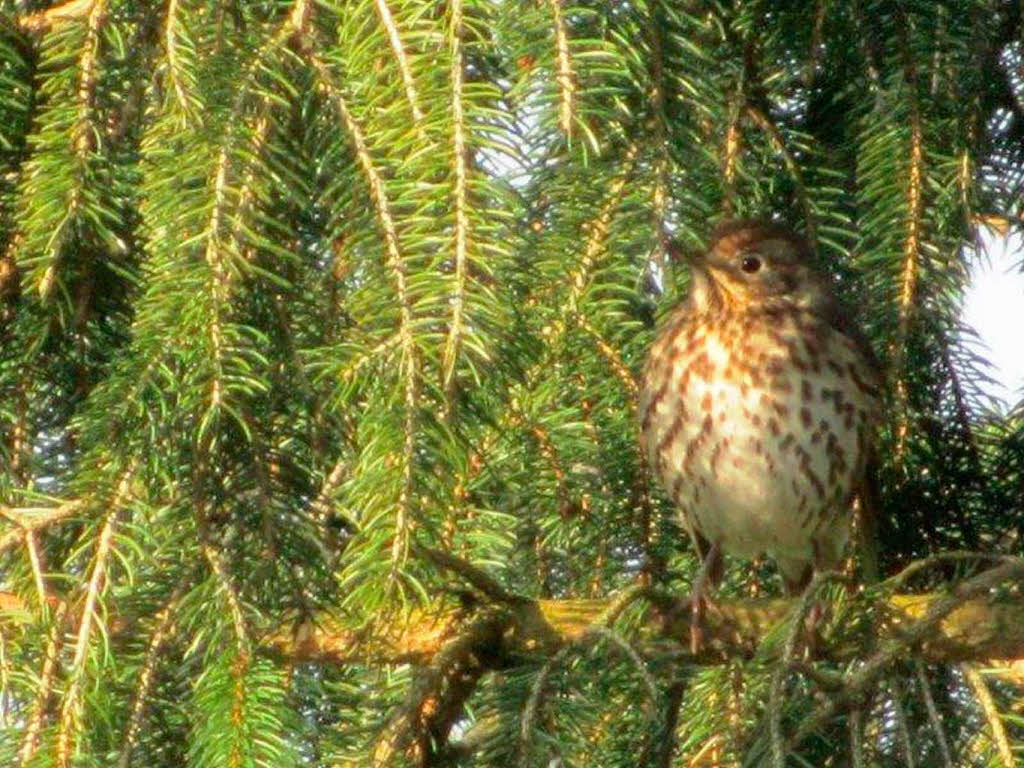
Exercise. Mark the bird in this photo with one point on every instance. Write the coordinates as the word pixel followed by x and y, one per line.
pixel 759 400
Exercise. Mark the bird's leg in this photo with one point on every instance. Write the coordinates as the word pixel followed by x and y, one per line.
pixel 710 572
pixel 796 582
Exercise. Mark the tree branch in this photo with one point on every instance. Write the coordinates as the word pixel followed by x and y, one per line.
pixel 30 519
pixel 963 625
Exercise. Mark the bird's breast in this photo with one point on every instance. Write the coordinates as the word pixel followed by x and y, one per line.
pixel 757 431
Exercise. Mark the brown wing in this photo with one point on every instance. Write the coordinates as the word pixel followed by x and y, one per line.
pixel 869 506
pixel 842 320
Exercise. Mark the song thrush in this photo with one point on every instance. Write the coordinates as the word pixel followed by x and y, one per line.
pixel 758 403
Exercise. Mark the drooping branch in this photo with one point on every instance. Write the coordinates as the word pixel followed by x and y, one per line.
pixel 565 77
pixel 459 198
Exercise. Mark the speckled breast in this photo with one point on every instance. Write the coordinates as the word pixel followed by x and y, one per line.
pixel 756 426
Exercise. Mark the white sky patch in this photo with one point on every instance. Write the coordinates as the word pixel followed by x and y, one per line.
pixel 994 308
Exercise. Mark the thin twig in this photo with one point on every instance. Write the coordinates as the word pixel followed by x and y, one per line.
pixel 174 68
pixel 37 567
pixel 766 124
pixel 858 682
pixel 857 738
pixel 991 712
pixel 565 77
pixel 911 256
pixel 933 713
pixel 784 665
pixel 612 356
pixel 83 133
pixel 954 556
pixel 476 577
pixel 459 193
pixel 730 161
pixel 901 721
pixel 388 21
pixel 629 596
pixel 622 644
pixel 529 717
pixel 70 708
pixel 45 687
pixel 33 518
pixel 666 748
pixel 599 228
pixel 437 697
pixel 147 674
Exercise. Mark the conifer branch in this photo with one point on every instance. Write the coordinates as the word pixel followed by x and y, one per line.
pixel 612 356
pixel 410 362
pixel 83 141
pixel 216 247
pixel 437 697
pixel 580 276
pixel 69 716
pixel 933 713
pixel 175 67
pixel 51 657
pixel 84 138
pixel 20 442
pixel 239 669
pixel 659 190
pixel 911 255
pixel 321 505
pixel 565 77
pixel 10 275
pixel 549 453
pixel 814 54
pixel 223 579
pixel 164 628
pixel 274 248
pixel 941 619
pixel 599 228
pixel 401 58
pixel 963 625
pixel 461 235
pixel 29 519
pixel 730 161
pixel 246 192
pixel 479 579
pixel 219 280
pixel 987 703
pixel 528 718
pixel 901 721
pixel 664 748
pixel 36 565
pixel 357 363
pixel 771 130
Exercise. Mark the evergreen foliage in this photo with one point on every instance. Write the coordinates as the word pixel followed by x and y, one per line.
pixel 294 295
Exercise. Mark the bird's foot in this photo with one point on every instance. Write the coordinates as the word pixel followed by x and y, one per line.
pixel 710 572
pixel 815 619
pixel 700 605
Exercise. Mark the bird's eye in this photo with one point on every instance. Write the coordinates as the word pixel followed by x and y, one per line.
pixel 750 264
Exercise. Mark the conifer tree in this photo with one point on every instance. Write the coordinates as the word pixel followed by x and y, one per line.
pixel 320 328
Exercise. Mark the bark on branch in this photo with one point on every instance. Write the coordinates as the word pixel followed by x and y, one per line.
pixel 978 628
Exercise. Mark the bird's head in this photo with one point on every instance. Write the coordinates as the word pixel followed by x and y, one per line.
pixel 754 263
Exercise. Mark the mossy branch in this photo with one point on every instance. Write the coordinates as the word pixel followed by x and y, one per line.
pixel 976 628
